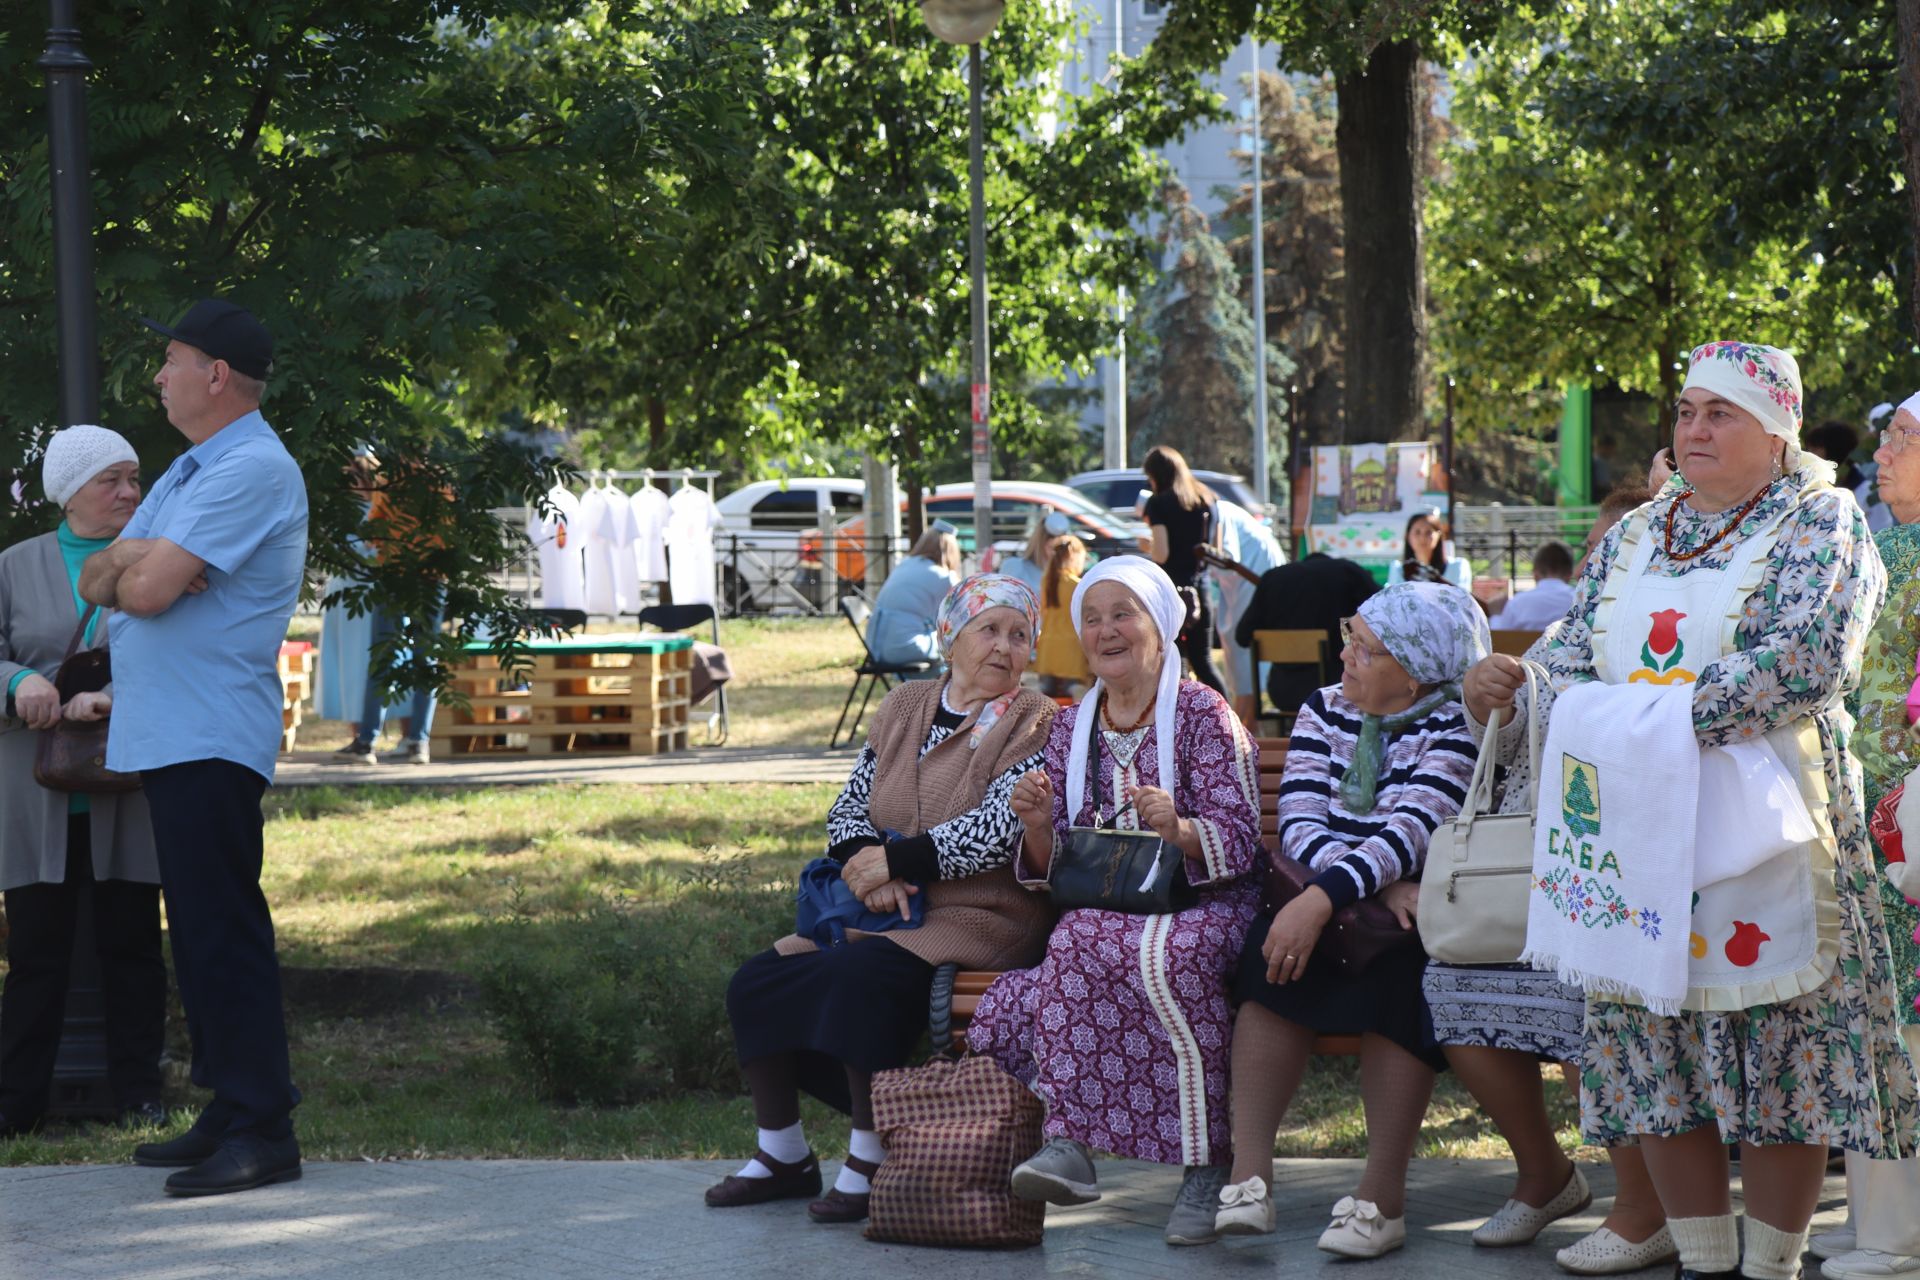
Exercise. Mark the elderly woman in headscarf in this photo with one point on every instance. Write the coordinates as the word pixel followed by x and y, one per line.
pixel 1375 763
pixel 924 815
pixel 1122 1029
pixel 1760 1010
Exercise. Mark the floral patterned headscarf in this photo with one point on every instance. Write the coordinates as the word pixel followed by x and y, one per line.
pixel 1436 631
pixel 1765 381
pixel 969 598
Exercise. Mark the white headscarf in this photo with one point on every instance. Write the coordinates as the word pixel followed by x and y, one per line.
pixel 1154 589
pixel 1765 381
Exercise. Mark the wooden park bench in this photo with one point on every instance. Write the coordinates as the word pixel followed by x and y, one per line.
pixel 957 991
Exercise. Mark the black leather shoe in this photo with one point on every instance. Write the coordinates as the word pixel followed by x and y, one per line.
pixel 12 1128
pixel 1683 1272
pixel 243 1162
pixel 193 1147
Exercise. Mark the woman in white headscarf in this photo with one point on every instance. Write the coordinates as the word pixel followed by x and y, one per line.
pixel 1752 582
pixel 1374 765
pixel 1122 1029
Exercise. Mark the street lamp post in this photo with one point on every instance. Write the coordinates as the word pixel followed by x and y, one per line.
pixel 80 1071
pixel 66 70
pixel 969 22
pixel 1261 480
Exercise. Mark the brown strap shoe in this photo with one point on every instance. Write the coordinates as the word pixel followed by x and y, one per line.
pixel 789 1182
pixel 845 1206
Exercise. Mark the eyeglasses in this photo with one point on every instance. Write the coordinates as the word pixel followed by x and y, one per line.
pixel 1898 439
pixel 1366 653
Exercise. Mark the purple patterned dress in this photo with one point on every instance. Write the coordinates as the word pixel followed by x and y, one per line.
pixel 1123 1029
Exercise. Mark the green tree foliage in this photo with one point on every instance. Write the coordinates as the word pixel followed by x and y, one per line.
pixel 1194 385
pixel 1574 240
pixel 416 196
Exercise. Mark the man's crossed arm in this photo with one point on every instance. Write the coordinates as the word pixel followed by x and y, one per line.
pixel 142 576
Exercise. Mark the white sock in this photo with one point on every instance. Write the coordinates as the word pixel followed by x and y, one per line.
pixel 862 1144
pixel 788 1146
pixel 1707 1244
pixel 1772 1254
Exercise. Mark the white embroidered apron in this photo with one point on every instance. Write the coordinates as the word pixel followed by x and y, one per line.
pixel 1770 933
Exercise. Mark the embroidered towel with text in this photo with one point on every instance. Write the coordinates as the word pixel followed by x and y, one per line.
pixel 1613 842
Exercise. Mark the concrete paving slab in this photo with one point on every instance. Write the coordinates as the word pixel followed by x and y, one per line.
pixel 705 765
pixel 643 1220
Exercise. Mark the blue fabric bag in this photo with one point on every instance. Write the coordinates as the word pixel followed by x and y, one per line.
pixel 828 908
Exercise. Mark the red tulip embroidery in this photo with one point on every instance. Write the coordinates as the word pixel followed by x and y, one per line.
pixel 1663 649
pixel 1743 948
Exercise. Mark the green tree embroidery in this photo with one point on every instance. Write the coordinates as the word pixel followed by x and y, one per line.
pixel 1581 811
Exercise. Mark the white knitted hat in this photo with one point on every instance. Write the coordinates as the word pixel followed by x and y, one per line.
pixel 78 454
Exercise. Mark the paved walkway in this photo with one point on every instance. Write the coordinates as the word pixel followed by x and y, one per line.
pixel 517 1219
pixel 700 765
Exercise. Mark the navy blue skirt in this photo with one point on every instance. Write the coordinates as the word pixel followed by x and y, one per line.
pixel 862 1005
pixel 1386 1000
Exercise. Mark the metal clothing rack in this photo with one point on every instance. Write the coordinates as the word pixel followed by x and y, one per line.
pixel 686 476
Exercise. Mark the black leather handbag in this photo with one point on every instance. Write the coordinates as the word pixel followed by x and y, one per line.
pixel 1135 872
pixel 72 756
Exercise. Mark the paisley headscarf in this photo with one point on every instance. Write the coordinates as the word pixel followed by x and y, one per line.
pixel 1436 631
pixel 1154 589
pixel 967 600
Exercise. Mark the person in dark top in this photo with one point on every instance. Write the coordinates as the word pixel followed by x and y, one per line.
pixel 1311 594
pixel 1182 516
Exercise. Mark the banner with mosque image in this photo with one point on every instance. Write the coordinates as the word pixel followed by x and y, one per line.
pixel 1364 494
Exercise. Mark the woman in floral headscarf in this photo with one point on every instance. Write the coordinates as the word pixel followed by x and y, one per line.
pixel 925 815
pixel 1122 1029
pixel 1375 764
pixel 1752 580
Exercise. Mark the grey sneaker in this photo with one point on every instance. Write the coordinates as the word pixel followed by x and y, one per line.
pixel 1198 1203
pixel 411 752
pixel 1060 1173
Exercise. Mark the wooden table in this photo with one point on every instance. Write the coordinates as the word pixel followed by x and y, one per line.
pixel 611 694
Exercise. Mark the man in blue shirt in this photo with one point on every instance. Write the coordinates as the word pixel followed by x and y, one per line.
pixel 204 578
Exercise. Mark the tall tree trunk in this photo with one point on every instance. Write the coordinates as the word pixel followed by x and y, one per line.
pixel 906 456
pixel 1909 12
pixel 1378 140
pixel 656 428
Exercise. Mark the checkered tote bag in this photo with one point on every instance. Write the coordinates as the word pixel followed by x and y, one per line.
pixel 954 1132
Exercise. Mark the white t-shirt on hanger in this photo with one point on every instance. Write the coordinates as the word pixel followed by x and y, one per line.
pixel 651 511
pixel 556 542
pixel 690 537
pixel 607 552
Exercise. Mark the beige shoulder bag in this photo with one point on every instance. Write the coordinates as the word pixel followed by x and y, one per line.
pixel 1479 869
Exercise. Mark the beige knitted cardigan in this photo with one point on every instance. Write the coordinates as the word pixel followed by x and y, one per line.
pixel 983 921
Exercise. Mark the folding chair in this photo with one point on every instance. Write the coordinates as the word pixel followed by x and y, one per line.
pixel 872 670
pixel 1305 648
pixel 685 617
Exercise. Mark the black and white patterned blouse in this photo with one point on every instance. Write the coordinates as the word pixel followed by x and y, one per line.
pixel 978 840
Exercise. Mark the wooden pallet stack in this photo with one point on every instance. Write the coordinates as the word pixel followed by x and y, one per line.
pixel 296 686
pixel 613 694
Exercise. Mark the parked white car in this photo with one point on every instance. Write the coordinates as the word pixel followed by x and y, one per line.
pixel 768 545
pixel 1118 489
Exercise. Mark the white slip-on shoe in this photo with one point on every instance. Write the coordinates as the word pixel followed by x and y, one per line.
pixel 1831 1244
pixel 1519 1222
pixel 1869 1264
pixel 1359 1231
pixel 1607 1253
pixel 1246 1209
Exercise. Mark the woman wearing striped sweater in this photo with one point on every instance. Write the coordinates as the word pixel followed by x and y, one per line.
pixel 1375 764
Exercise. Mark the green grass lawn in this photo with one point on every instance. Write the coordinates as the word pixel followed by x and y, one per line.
pixel 388 900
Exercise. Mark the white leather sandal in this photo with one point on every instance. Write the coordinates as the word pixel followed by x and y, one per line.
pixel 1519 1222
pixel 1608 1253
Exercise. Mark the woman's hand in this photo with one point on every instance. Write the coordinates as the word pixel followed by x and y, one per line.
pixel 88 706
pixel 1402 897
pixel 1032 801
pixel 37 702
pixel 1490 685
pixel 1294 934
pixel 866 871
pixel 1661 471
pixel 1155 808
pixel 894 895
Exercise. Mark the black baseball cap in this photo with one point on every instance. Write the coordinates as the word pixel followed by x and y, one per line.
pixel 225 332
